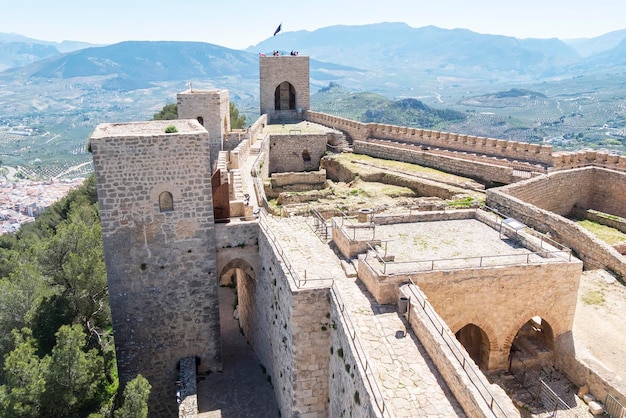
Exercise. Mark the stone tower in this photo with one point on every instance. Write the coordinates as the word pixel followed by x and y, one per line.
pixel 284 84
pixel 154 195
pixel 212 109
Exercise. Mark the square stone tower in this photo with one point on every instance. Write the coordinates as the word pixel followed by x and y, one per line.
pixel 212 109
pixel 284 84
pixel 155 200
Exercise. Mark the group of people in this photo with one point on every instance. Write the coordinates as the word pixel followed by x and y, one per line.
pixel 276 53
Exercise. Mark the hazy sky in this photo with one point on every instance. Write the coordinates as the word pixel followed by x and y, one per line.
pixel 241 23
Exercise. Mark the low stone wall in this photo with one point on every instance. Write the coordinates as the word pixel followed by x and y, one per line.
pixel 349 247
pixel 295 182
pixel 594 253
pixel 348 392
pixel 600 217
pixel 584 371
pixel 437 342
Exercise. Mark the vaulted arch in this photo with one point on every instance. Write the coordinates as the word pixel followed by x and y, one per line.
pixel 285 96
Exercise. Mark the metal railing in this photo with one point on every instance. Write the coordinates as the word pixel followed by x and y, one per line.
pixel 319 227
pixel 613 407
pixel 459 263
pixel 552 402
pixel 347 224
pixel 460 355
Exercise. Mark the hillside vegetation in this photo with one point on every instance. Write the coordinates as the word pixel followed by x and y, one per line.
pixel 56 345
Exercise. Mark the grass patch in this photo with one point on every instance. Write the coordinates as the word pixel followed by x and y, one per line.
pixel 605 233
pixel 594 297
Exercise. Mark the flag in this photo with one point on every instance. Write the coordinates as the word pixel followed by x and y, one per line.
pixel 277 29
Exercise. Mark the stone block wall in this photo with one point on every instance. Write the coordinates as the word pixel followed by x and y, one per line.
pixel 275 70
pixel 593 252
pixel 568 160
pixel 160 313
pixel 296 152
pixel 504 298
pixel 213 107
pixel 292 337
pixel 349 392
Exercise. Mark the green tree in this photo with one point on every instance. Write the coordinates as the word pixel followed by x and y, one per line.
pixel 237 121
pixel 25 379
pixel 74 377
pixel 135 402
pixel 169 112
pixel 72 262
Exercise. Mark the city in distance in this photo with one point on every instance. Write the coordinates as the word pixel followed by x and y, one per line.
pixel 570 95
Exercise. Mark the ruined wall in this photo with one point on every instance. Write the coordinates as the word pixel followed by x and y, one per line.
pixel 291 338
pixel 608 193
pixel 160 313
pixel 296 152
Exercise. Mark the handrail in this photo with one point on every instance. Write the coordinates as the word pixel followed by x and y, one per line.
pixel 460 356
pixel 465 262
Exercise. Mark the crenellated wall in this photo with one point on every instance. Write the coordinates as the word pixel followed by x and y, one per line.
pixel 515 153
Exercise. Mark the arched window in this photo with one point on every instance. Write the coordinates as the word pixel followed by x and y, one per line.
pixel 166 202
pixel 201 120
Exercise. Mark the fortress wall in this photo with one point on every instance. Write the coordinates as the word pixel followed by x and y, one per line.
pixel 593 252
pixel 569 160
pixel 348 391
pixel 520 151
pixel 355 130
pixel 432 338
pixel 296 152
pixel 558 192
pixel 471 169
pixel 160 313
pixel 608 193
pixel 289 338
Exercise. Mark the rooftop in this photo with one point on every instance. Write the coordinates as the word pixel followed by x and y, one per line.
pixel 148 128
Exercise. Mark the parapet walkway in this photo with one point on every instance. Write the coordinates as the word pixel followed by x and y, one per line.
pixel 410 382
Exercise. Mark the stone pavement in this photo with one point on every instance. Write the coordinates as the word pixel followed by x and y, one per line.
pixel 410 382
pixel 242 382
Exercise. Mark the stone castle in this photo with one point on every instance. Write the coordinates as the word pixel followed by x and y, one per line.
pixel 319 292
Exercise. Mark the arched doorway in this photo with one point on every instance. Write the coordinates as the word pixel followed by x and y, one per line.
pixel 533 345
pixel 239 276
pixel 476 343
pixel 285 96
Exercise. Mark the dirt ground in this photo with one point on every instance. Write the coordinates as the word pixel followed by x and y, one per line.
pixel 600 322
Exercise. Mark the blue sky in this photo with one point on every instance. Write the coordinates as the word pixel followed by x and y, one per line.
pixel 239 23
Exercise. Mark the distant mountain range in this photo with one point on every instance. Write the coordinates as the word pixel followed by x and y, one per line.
pixel 360 55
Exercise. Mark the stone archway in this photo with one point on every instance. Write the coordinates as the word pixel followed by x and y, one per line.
pixel 476 343
pixel 533 345
pixel 239 274
pixel 285 96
